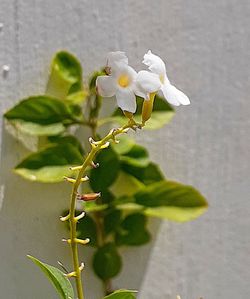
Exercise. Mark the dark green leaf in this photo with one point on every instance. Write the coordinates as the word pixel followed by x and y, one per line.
pixel 121 294
pixel 67 139
pixel 41 110
pixel 111 221
pixel 103 176
pixel 57 278
pixel 107 262
pixel 65 77
pixel 137 156
pixel 147 175
pixel 106 197
pixel 92 80
pixel 86 228
pixel 52 163
pixel 171 200
pixel 132 231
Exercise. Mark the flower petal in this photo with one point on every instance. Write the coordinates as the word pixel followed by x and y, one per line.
pixel 106 86
pixel 116 58
pixel 147 82
pixel 140 92
pixel 126 99
pixel 174 96
pixel 131 73
pixel 154 63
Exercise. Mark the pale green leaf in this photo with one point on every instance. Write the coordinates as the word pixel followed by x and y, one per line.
pixel 30 128
pixel 125 185
pixel 178 214
pixel 53 162
pixel 46 174
pixel 65 77
pixel 171 200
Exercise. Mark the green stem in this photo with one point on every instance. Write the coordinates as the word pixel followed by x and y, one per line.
pixel 72 217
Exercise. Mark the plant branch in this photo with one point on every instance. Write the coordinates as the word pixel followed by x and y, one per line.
pixel 96 147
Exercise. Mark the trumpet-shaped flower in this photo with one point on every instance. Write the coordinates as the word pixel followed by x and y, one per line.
pixel 120 83
pixel 156 79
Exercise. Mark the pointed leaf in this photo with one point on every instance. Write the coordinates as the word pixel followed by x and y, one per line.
pixel 41 110
pixel 65 80
pixel 125 185
pixel 121 294
pixel 111 221
pixel 107 262
pixel 132 231
pixel 137 156
pixel 147 175
pixel 171 200
pixel 57 278
pixel 86 228
pixel 52 163
pixel 103 176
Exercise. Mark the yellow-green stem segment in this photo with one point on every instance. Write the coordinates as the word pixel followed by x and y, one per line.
pixel 72 219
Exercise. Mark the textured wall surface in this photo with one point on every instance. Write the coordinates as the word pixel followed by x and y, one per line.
pixel 206 46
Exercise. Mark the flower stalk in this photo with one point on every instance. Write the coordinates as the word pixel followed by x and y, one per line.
pixel 72 218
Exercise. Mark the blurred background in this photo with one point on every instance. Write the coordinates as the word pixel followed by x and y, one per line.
pixel 205 45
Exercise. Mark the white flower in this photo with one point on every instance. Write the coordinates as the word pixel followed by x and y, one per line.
pixel 120 83
pixel 150 82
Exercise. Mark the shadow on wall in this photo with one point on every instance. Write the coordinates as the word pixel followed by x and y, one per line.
pixel 29 224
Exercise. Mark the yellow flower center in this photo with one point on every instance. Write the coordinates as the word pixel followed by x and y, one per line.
pixel 123 80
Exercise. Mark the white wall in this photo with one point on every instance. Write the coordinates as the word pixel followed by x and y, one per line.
pixel 206 45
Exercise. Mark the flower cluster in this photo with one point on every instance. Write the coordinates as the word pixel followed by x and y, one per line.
pixel 125 83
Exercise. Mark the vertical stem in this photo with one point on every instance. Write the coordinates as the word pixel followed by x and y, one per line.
pixel 73 222
pixel 72 217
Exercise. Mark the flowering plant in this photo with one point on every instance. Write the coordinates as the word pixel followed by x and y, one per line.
pixel 123 187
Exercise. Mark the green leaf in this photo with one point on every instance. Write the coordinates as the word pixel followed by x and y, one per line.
pixel 172 201
pixel 86 228
pixel 34 129
pixel 103 176
pixel 67 139
pixel 92 79
pixel 137 156
pixel 106 196
pixel 52 163
pixel 57 278
pixel 111 221
pixel 41 110
pixel 77 97
pixel 132 231
pixel 121 294
pixel 107 262
pixel 161 115
pixel 147 175
pixel 125 185
pixel 92 206
pixel 124 146
pixel 65 81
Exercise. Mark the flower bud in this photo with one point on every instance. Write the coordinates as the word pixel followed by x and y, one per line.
pixel 147 108
pixel 89 196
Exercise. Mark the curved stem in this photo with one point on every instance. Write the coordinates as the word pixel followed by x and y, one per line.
pixel 72 217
